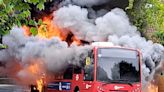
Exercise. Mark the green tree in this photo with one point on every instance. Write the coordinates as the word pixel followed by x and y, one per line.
pixel 18 13
pixel 147 15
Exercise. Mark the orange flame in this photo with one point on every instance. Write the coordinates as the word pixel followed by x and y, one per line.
pixel 152 88
pixel 76 41
pixel 40 84
pixel 27 30
pixel 35 70
pixel 48 30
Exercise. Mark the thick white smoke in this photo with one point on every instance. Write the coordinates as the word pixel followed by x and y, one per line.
pixel 113 27
pixel 115 22
pixel 52 54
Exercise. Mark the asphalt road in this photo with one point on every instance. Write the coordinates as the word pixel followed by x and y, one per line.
pixel 13 88
pixel 9 85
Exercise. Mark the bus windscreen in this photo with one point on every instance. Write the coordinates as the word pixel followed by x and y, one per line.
pixel 118 65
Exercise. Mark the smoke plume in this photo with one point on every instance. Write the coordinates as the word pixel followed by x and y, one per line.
pixel 114 27
pixel 53 54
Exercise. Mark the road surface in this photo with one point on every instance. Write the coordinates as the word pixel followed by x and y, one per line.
pixel 9 85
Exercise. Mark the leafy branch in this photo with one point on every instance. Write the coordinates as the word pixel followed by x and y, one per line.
pixel 17 13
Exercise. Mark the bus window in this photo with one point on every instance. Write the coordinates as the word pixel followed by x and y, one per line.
pixel 77 70
pixel 89 68
pixel 68 73
pixel 89 73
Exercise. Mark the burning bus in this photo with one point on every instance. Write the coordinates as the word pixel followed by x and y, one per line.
pixel 107 68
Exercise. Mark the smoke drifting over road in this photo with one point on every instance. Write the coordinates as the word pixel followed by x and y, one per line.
pixel 113 26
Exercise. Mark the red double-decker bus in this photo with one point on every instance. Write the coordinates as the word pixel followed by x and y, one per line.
pixel 106 69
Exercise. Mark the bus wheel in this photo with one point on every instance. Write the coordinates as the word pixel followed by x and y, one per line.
pixel 76 89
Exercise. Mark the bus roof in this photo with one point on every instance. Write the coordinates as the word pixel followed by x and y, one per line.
pixel 102 44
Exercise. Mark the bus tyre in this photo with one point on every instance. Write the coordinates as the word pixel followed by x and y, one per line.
pixel 76 89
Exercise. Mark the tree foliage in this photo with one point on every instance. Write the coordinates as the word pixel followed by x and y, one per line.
pixel 155 16
pixel 17 13
pixel 147 15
